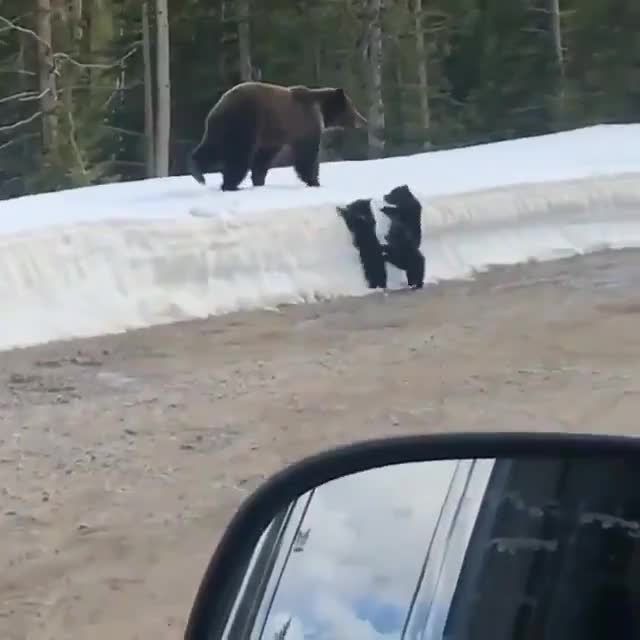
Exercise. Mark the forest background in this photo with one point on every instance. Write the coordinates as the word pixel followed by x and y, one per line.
pixel 95 91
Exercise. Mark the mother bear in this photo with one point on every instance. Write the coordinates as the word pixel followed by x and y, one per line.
pixel 253 121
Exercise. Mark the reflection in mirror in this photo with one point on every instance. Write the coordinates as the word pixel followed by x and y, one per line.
pixel 508 549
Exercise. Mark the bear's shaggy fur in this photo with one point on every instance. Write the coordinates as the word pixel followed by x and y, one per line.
pixel 250 124
pixel 400 245
pixel 362 225
pixel 402 248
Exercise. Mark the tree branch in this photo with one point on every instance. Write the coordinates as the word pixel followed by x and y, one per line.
pixel 97 65
pixel 13 141
pixel 20 72
pixel 25 96
pixel 65 56
pixel 12 26
pixel 20 123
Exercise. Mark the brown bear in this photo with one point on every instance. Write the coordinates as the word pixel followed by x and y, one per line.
pixel 253 121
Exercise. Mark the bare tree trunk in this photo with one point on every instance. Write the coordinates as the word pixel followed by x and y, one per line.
pixel 556 29
pixel 311 53
pixel 557 36
pixel 423 74
pixel 46 76
pixel 222 55
pixel 24 45
pixel 72 16
pixel 163 120
pixel 244 40
pixel 148 93
pixel 399 90
pixel 21 65
pixel 374 60
pixel 76 15
pixel 95 17
pixel 317 62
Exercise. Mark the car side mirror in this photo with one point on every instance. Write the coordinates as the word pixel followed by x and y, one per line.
pixel 463 536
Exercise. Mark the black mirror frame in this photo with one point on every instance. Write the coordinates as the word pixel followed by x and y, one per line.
pixel 259 508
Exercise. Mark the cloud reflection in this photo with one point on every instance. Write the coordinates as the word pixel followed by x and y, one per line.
pixel 357 572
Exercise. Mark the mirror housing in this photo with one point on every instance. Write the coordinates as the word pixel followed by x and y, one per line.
pixel 228 566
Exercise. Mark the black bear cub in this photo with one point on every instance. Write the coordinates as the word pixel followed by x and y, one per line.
pixel 399 245
pixel 362 226
pixel 402 247
pixel 253 121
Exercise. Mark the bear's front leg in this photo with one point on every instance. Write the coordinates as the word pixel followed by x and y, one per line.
pixel 306 160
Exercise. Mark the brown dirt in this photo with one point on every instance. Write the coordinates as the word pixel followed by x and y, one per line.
pixel 122 457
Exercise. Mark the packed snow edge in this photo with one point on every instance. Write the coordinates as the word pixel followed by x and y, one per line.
pixel 105 277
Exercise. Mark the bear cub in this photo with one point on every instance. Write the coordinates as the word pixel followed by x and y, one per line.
pixel 362 225
pixel 253 121
pixel 402 247
pixel 396 238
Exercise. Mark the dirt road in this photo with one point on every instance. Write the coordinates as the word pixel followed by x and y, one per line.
pixel 122 457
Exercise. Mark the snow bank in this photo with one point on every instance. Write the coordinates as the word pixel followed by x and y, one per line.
pixel 111 258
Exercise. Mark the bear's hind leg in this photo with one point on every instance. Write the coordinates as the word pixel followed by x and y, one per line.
pixel 261 164
pixel 236 166
pixel 195 171
pixel 200 161
pixel 395 257
pixel 373 262
pixel 306 162
pixel 407 259
pixel 415 270
pixel 239 139
pixel 377 271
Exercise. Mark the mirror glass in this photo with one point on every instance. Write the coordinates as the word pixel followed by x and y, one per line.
pixel 458 549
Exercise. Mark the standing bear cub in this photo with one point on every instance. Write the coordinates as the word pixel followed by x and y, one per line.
pixel 361 223
pixel 401 246
pixel 253 121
